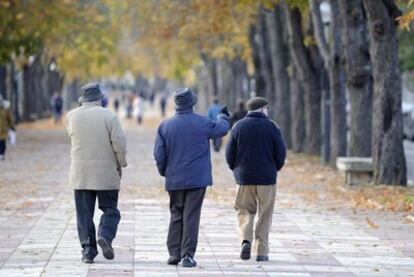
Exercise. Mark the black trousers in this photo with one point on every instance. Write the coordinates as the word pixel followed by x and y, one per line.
pixel 108 225
pixel 217 144
pixel 185 208
pixel 2 146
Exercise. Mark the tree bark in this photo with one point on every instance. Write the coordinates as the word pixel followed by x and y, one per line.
pixel 387 148
pixel 240 90
pixel 337 86
pixel 297 104
pixel 262 38
pixel 3 78
pixel 308 75
pixel 259 81
pixel 280 74
pixel 332 55
pixel 358 77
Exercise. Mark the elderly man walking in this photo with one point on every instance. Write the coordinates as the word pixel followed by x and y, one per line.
pixel 182 155
pixel 97 156
pixel 255 152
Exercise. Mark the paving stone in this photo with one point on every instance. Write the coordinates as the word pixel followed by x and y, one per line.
pixel 38 234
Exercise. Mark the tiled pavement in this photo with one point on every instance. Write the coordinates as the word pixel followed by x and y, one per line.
pixel 38 233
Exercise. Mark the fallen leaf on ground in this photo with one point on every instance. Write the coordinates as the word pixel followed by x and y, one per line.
pixel 410 218
pixel 372 224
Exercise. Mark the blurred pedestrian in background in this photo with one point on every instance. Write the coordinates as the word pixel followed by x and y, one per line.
pixel 239 113
pixel 213 112
pixel 139 109
pixel 97 157
pixel 182 155
pixel 116 105
pixel 56 103
pixel 129 104
pixel 6 125
pixel 255 153
pixel 163 105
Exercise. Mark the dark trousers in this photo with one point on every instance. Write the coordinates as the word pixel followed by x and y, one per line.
pixel 2 146
pixel 108 225
pixel 185 208
pixel 217 144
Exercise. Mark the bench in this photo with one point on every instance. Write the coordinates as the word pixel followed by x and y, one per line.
pixel 358 170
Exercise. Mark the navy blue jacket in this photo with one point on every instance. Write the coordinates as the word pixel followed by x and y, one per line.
pixel 182 149
pixel 255 150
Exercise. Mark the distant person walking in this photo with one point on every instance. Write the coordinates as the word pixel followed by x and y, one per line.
pixel 116 105
pixel 57 107
pixel 6 124
pixel 163 105
pixel 213 112
pixel 239 113
pixel 255 153
pixel 129 105
pixel 182 155
pixel 97 156
pixel 139 109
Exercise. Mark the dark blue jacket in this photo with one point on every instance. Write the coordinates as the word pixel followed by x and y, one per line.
pixel 182 149
pixel 255 150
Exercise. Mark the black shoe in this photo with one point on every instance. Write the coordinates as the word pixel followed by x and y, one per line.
pixel 262 258
pixel 245 251
pixel 107 250
pixel 188 261
pixel 87 260
pixel 173 260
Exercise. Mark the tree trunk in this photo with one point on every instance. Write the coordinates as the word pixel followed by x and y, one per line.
pixel 259 81
pixel 225 83
pixel 332 55
pixel 240 90
pixel 280 75
pixel 262 38
pixel 297 104
pixel 358 77
pixel 337 87
pixel 3 80
pixel 207 83
pixel 388 150
pixel 309 76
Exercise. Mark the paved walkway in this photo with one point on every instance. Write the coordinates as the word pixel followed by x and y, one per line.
pixel 38 233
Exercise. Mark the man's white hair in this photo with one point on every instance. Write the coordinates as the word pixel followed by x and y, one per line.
pixel 259 110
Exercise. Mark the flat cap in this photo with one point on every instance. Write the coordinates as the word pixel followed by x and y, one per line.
pixel 256 103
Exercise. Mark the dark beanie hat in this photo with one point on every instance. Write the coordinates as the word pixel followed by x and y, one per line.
pixel 184 98
pixel 90 92
pixel 256 103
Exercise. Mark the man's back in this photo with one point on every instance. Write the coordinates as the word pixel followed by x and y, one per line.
pixel 184 140
pixel 98 147
pixel 256 150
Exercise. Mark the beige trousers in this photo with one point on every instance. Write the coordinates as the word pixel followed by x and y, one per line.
pixel 251 198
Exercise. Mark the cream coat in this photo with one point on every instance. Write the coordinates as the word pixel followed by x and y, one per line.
pixel 98 148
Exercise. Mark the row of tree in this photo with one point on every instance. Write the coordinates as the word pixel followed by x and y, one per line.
pixel 44 43
pixel 334 84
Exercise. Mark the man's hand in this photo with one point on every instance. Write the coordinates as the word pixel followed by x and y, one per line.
pixel 225 111
pixel 119 172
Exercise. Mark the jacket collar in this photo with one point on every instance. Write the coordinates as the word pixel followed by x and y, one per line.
pixel 91 104
pixel 184 111
pixel 256 114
